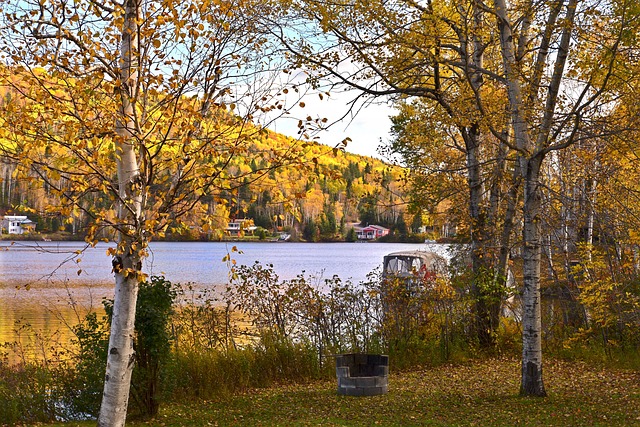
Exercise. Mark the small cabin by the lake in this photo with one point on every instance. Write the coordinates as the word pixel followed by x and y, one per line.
pixel 239 226
pixel 17 224
pixel 371 232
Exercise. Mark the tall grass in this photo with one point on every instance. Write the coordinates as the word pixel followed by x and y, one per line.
pixel 209 373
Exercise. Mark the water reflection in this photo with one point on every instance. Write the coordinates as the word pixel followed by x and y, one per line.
pixel 50 285
pixel 38 322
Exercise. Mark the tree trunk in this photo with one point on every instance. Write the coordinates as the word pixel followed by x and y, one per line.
pixel 508 225
pixel 530 168
pixel 532 384
pixel 481 310
pixel 120 359
pixel 487 300
pixel 127 263
pixel 591 203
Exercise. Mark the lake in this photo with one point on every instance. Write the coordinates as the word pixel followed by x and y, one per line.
pixel 47 283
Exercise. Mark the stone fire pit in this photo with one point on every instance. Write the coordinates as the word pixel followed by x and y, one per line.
pixel 362 374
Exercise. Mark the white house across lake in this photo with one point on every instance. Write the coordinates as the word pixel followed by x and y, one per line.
pixel 239 226
pixel 17 224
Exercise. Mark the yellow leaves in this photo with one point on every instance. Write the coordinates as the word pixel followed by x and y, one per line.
pixel 634 236
pixel 132 273
pixel 141 277
pixel 190 149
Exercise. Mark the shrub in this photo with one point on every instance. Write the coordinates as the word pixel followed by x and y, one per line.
pixel 24 394
pixel 152 343
pixel 80 381
pixel 204 321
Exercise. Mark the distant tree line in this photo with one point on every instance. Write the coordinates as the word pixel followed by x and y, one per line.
pixel 318 204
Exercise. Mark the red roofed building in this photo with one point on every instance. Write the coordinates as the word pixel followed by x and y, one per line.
pixel 371 232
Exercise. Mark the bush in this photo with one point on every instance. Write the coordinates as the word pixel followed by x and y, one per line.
pixel 81 380
pixel 152 343
pixel 24 395
pixel 333 316
pixel 202 323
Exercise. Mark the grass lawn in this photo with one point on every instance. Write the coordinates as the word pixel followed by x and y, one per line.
pixel 478 393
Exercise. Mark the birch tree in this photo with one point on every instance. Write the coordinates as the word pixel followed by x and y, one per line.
pixel 549 95
pixel 521 72
pixel 145 104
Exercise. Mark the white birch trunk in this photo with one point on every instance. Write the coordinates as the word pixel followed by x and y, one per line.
pixel 531 383
pixel 115 398
pixel 591 206
pixel 120 359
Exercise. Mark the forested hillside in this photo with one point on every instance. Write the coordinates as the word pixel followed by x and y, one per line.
pixel 312 198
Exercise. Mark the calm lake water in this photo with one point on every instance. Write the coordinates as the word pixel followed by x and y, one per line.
pixel 46 283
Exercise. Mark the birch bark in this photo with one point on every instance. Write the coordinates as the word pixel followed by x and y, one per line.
pixel 532 154
pixel 531 383
pixel 127 263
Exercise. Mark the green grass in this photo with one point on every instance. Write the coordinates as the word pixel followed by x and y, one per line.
pixel 477 393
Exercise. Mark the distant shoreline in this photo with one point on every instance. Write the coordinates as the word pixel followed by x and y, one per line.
pixel 67 237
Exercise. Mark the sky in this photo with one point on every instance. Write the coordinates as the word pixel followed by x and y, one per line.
pixel 365 127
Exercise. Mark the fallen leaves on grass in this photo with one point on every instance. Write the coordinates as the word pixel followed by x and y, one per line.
pixel 478 392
